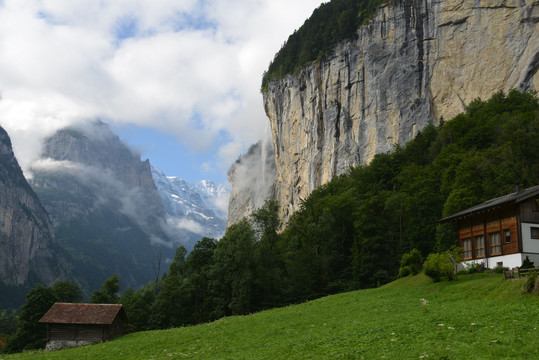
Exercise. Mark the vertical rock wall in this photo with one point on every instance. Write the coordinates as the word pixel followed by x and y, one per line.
pixel 415 62
pixel 26 233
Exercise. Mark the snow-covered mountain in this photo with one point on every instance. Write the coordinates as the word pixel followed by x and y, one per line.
pixel 200 209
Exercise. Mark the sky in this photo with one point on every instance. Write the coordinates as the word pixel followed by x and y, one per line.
pixel 177 80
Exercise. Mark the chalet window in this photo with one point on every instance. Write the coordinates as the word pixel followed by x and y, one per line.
pixel 495 243
pixel 480 246
pixel 467 248
pixel 535 233
pixel 507 235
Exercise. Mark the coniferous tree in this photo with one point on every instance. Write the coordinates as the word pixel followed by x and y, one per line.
pixel 30 333
pixel 108 294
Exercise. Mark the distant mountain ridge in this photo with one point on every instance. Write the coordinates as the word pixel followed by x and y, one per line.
pixel 195 210
pixel 92 209
pixel 105 207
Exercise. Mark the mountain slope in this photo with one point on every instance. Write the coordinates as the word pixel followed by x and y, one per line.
pixel 27 241
pixel 104 205
pixel 193 211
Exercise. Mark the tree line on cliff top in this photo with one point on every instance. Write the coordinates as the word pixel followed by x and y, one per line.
pixel 352 232
pixel 329 24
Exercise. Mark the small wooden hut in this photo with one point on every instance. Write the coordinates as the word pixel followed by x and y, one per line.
pixel 70 325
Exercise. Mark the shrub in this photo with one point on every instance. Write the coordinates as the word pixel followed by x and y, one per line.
pixel 411 263
pixel 439 265
pixel 530 284
pixel 499 269
pixel 527 264
pixel 476 268
pixel 404 271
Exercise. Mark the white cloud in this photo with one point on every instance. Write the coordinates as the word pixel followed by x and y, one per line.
pixel 190 68
pixel 187 224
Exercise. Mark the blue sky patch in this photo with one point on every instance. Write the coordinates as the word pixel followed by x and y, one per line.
pixel 169 154
pixel 49 18
pixel 126 27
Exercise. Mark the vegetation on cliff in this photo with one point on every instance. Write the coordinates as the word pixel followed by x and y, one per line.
pixel 329 24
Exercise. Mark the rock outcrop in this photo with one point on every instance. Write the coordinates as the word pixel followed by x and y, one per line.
pixel 252 177
pixel 26 233
pixel 414 63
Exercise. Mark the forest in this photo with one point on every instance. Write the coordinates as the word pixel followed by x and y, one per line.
pixel 329 24
pixel 349 234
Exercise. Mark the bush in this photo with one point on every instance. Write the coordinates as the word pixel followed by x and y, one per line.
pixel 476 268
pixel 411 263
pixel 527 264
pixel 531 283
pixel 499 269
pixel 404 271
pixel 439 265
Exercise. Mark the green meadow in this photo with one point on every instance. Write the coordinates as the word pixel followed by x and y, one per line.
pixel 480 316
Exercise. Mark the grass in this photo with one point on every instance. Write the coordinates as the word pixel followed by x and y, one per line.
pixel 481 316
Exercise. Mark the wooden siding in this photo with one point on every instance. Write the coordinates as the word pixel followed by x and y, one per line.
pixel 116 328
pixel 89 333
pixel 527 213
pixel 71 332
pixel 485 224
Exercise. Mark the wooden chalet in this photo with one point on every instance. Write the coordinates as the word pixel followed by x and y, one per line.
pixel 501 231
pixel 70 325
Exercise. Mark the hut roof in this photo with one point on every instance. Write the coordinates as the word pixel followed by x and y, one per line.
pixel 66 313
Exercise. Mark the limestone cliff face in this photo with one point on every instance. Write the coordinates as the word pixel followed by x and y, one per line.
pixel 26 233
pixel 413 63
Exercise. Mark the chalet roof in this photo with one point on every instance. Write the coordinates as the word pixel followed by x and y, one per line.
pixel 513 198
pixel 100 314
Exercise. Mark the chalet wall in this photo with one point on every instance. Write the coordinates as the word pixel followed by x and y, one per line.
pixel 510 261
pixel 527 213
pixel 529 245
pixel 497 221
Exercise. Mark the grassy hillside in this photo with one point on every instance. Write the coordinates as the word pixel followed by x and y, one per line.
pixel 481 316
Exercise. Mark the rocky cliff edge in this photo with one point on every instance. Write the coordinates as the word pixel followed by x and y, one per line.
pixel 414 63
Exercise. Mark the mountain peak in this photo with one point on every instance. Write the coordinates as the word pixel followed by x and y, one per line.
pixel 200 208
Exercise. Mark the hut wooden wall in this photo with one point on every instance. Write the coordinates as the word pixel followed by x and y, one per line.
pixel 71 332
